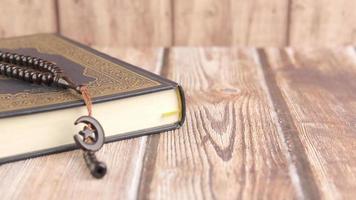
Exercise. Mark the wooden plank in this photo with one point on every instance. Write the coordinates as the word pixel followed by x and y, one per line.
pixel 21 17
pixel 229 147
pixel 260 23
pixel 198 22
pixel 252 23
pixel 117 23
pixel 290 133
pixel 323 23
pixel 65 175
pixel 318 86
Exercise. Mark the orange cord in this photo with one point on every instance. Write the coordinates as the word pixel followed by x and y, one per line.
pixel 87 99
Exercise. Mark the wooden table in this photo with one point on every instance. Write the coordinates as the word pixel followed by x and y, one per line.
pixel 261 123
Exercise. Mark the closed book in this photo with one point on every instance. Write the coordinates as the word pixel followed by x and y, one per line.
pixel 127 100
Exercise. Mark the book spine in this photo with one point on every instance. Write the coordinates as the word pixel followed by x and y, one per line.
pixel 183 106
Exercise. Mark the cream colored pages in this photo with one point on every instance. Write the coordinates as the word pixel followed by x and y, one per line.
pixel 46 130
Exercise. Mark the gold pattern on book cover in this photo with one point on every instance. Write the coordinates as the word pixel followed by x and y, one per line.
pixel 108 75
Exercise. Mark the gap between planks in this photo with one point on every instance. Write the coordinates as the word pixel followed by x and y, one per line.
pixel 299 167
pixel 152 143
pixel 57 15
pixel 135 185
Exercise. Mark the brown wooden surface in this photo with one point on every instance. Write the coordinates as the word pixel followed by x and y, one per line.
pixel 22 17
pixel 260 23
pixel 202 22
pixel 261 124
pixel 159 23
pixel 319 90
pixel 322 23
pixel 229 147
pixel 116 23
pixel 248 23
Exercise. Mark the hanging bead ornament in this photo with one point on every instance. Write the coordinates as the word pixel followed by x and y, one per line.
pixel 38 71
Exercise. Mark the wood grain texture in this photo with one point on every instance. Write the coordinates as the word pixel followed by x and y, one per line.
pixel 323 23
pixel 116 23
pixel 229 22
pixel 23 17
pixel 202 22
pixel 319 88
pixel 186 22
pixel 266 124
pixel 260 23
pixel 229 147
pixel 65 175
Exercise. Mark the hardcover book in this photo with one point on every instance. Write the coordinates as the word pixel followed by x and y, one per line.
pixel 129 101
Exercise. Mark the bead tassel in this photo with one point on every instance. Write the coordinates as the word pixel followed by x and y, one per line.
pixel 39 71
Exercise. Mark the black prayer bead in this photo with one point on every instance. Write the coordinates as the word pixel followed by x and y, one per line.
pixel 11 58
pixel 3 57
pixel 50 67
pixel 35 64
pixel 2 68
pixel 26 76
pixel 15 72
pixel 7 58
pixel 45 66
pixel 34 77
pixel 23 60
pixel 20 74
pixel 50 78
pixel 17 59
pixel 29 61
pixel 8 71
pixel 44 79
